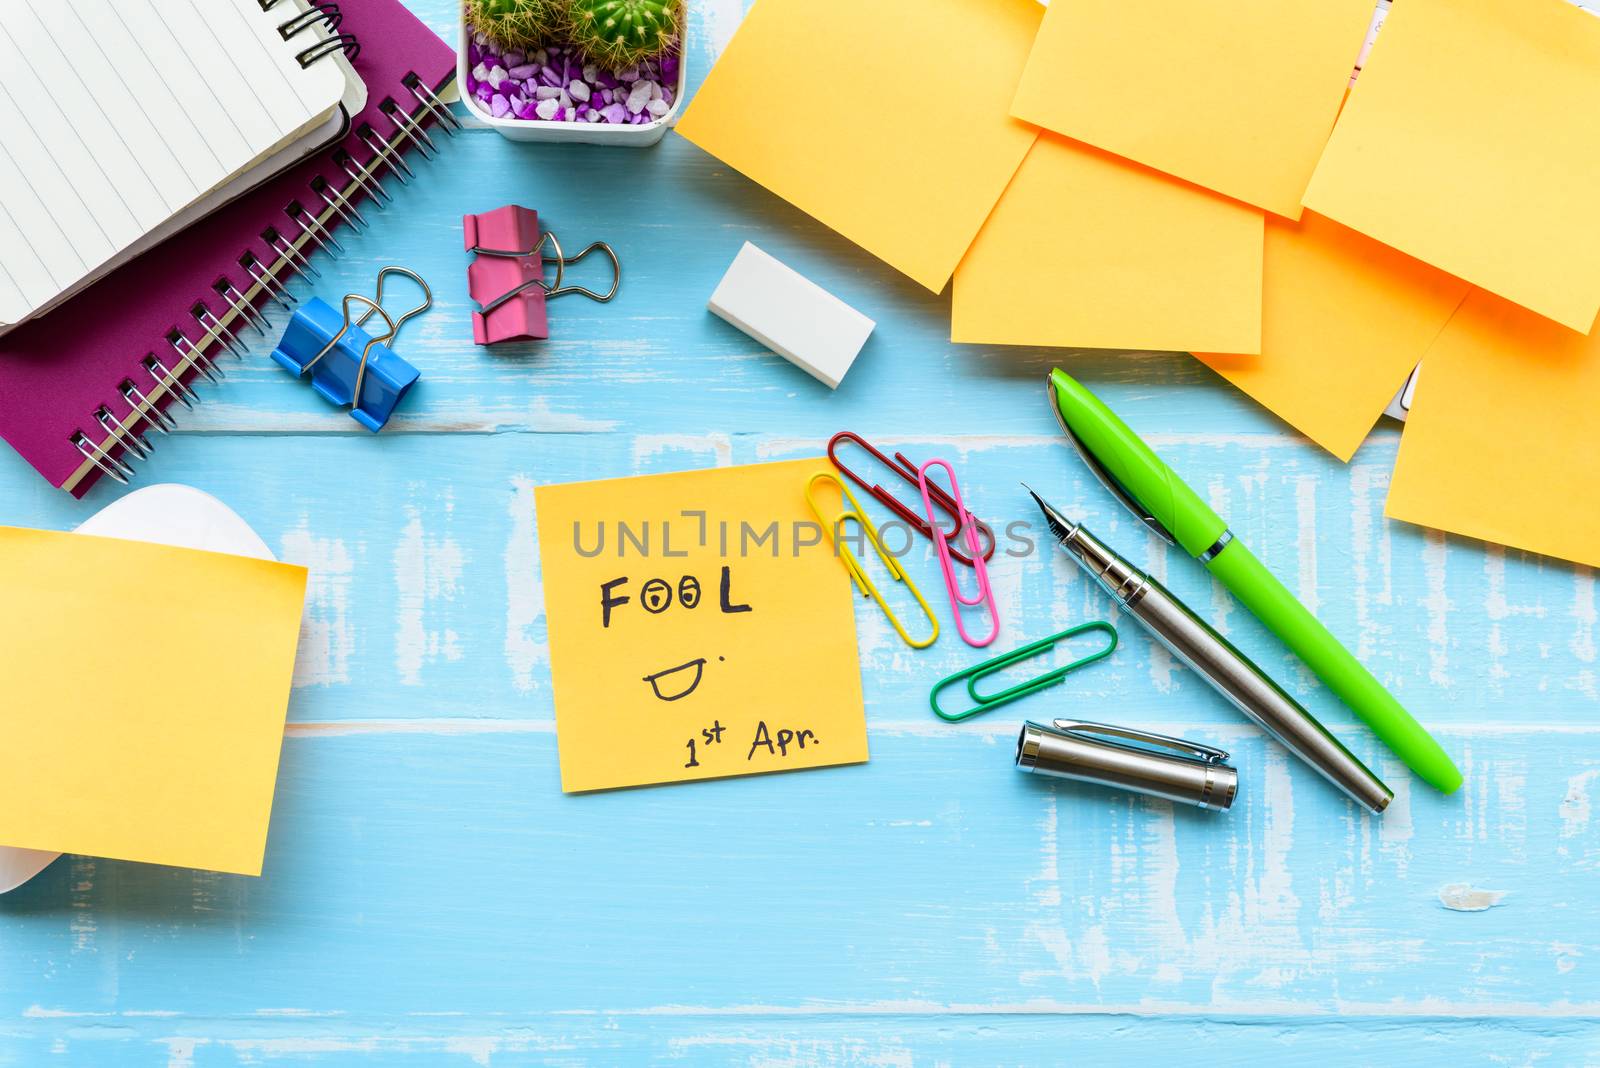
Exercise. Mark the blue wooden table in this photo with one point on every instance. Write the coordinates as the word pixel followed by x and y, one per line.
pixel 430 896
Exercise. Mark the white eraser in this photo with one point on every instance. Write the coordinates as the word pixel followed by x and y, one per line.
pixel 791 315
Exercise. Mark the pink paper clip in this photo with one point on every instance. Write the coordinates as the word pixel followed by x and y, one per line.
pixel 941 548
pixel 506 277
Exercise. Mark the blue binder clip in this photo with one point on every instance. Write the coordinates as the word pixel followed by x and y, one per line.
pixel 349 366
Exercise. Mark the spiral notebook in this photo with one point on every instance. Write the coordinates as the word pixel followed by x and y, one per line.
pixel 91 173
pixel 87 387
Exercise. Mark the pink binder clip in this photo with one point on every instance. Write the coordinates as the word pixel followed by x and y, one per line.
pixel 941 547
pixel 506 277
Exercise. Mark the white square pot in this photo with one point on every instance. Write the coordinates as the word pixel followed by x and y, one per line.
pixel 587 133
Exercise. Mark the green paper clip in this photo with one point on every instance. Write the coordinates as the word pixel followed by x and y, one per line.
pixel 972 675
pixel 857 572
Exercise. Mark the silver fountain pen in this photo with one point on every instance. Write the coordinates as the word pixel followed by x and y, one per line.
pixel 1209 654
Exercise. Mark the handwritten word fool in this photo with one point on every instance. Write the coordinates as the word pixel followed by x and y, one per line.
pixel 657 594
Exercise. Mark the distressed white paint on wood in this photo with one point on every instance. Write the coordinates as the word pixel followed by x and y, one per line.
pixel 431 897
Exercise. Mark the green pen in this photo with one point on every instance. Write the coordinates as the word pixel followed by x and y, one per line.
pixel 1137 477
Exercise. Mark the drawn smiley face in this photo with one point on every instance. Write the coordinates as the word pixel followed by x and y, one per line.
pixel 676 683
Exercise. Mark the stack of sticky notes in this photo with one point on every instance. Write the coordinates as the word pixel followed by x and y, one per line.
pixel 1218 176
pixel 145 688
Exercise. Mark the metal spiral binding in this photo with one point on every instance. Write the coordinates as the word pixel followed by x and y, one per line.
pixel 329 17
pixel 328 14
pixel 123 440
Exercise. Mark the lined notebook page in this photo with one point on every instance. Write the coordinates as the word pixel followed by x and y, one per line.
pixel 188 94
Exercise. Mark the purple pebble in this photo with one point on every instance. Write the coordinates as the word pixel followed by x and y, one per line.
pixel 499 107
pixel 607 80
pixel 523 71
pixel 526 111
pixel 615 113
pixel 669 67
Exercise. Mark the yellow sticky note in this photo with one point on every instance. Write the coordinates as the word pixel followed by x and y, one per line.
pixel 906 167
pixel 1235 95
pixel 1089 250
pixel 1469 142
pixel 145 688
pixel 1500 443
pixel 700 627
pixel 1343 321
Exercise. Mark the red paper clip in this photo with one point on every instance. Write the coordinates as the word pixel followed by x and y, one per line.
pixel 908 474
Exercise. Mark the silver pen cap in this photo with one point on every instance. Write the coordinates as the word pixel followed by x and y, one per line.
pixel 1154 764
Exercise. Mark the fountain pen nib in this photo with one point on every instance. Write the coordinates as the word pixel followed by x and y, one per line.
pixel 1059 524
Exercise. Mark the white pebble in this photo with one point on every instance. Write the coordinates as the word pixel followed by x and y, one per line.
pixel 655 90
pixel 480 73
pixel 498 75
pixel 541 57
pixel 594 116
pixel 629 75
pixel 590 73
pixel 578 90
pixel 546 108
pixel 638 97
pixel 566 101
pixel 547 92
pixel 607 95
pixel 658 108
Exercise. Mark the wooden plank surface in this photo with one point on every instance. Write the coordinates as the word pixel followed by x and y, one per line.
pixel 431 897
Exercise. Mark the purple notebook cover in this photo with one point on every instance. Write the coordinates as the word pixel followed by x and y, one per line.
pixel 57 370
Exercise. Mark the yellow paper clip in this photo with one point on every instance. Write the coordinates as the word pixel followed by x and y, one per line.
pixel 857 572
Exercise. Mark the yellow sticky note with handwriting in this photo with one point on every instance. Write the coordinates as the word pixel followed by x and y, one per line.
pixel 1089 250
pixel 1469 142
pixel 1234 95
pixel 1344 319
pixel 700 627
pixel 1500 442
pixel 145 688
pixel 906 167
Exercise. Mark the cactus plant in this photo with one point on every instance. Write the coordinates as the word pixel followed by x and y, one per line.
pixel 520 24
pixel 622 32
